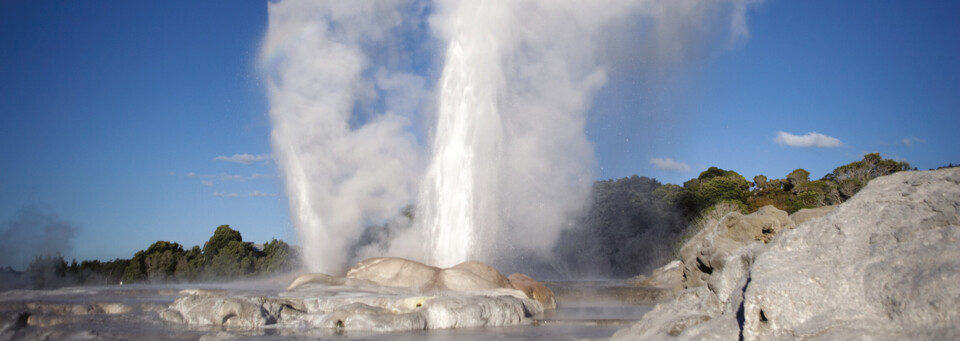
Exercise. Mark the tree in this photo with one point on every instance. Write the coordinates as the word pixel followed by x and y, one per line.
pixel 221 237
pixel 852 177
pixel 156 264
pixel 189 265
pixel 231 261
pixel 277 257
pixel 760 182
pixel 797 178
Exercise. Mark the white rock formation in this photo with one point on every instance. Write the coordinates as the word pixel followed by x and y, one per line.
pixel 885 265
pixel 380 295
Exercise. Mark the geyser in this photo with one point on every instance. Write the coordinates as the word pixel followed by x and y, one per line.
pixel 508 162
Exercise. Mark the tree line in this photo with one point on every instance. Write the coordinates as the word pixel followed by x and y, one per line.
pixel 225 256
pixel 636 224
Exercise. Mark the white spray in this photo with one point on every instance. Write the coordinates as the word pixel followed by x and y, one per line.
pixel 338 177
pixel 509 160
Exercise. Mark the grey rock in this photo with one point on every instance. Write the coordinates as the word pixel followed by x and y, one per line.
pixel 806 214
pixel 471 294
pixel 710 250
pixel 884 266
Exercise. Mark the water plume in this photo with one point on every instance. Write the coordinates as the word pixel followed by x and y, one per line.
pixel 340 174
pixel 509 164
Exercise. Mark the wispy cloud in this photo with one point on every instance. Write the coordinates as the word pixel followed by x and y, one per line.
pixel 226 195
pixel 244 158
pixel 258 194
pixel 670 165
pixel 207 182
pixel 909 141
pixel 811 139
pixel 227 177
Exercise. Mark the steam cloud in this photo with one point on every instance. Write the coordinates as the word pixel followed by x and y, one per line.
pixel 339 176
pixel 34 232
pixel 509 164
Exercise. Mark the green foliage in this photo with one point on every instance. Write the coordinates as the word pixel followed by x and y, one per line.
pixel 220 239
pixel 277 257
pixel 232 260
pixel 628 229
pixel 760 182
pixel 668 195
pixel 711 173
pixel 809 199
pixel 189 265
pixel 713 186
pixel 870 167
pixel 797 178
pixel 156 264
pixel 165 261
pixel 725 188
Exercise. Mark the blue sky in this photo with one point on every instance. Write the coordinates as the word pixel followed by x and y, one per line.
pixel 112 113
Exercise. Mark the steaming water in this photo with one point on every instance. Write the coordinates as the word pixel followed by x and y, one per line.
pixel 454 205
pixel 509 163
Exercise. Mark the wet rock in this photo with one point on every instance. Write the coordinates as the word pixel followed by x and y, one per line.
pixel 395 272
pixel 471 294
pixel 669 276
pixel 471 276
pixel 533 289
pixel 315 278
pixel 246 312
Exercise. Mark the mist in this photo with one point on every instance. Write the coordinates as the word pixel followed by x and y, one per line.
pixel 488 142
pixel 340 175
pixel 36 231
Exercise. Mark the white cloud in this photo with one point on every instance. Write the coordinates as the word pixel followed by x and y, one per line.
pixel 811 139
pixel 207 182
pixel 244 158
pixel 191 174
pixel 259 176
pixel 256 194
pixel 670 165
pixel 226 195
pixel 909 141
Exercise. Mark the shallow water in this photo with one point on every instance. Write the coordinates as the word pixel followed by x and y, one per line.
pixel 586 310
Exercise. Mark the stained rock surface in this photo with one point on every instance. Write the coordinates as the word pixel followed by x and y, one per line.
pixel 884 266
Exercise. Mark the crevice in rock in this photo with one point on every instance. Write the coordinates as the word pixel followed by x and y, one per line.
pixel 703 267
pixel 741 317
pixel 227 318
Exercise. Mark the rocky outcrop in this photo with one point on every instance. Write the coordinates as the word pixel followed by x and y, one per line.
pixel 669 276
pixel 378 294
pixel 729 244
pixel 463 277
pixel 884 265
pixel 803 215
pixel 533 289
pixel 370 312
pixel 396 272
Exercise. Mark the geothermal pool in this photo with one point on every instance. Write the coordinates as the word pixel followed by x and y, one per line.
pixel 586 310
